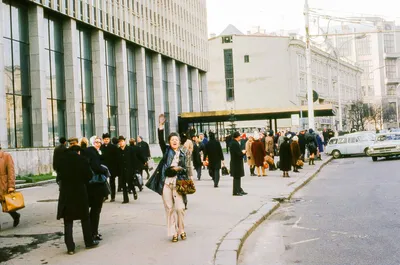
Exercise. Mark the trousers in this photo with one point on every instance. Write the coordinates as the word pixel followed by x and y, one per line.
pixel 95 210
pixel 216 177
pixel 113 187
pixel 237 185
pixel 198 171
pixel 68 233
pixel 174 209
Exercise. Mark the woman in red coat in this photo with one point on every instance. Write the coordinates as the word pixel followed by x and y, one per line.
pixel 258 151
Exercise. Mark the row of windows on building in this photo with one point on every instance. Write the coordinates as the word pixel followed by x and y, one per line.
pixel 181 40
pixel 17 81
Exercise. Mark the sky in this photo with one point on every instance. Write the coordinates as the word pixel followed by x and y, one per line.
pixel 274 15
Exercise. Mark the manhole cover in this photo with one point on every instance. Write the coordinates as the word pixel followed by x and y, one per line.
pixel 48 200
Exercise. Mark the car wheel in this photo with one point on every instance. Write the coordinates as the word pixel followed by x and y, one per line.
pixel 366 151
pixel 336 154
pixel 374 158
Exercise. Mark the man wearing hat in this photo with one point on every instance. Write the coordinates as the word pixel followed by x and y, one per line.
pixel 110 155
pixel 73 141
pixel 127 159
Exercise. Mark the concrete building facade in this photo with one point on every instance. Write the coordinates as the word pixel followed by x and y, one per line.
pixel 86 67
pixel 261 71
pixel 376 49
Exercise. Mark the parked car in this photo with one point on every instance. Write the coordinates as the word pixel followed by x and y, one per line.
pixel 385 145
pixel 350 144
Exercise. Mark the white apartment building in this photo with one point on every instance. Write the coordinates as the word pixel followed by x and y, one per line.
pixel 261 71
pixel 79 68
pixel 377 52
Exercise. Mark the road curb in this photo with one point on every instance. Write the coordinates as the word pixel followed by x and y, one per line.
pixel 228 250
pixel 29 185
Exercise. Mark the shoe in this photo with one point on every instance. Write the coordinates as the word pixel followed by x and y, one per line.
pixel 94 244
pixel 112 200
pixel 296 171
pixel 16 220
pixel 183 236
pixel 135 196
pixel 244 193
pixel 97 238
pixel 175 239
pixel 259 176
pixel 140 188
pixel 125 202
pixel 264 175
pixel 130 192
pixel 119 190
pixel 237 194
pixel 71 252
pixel 215 186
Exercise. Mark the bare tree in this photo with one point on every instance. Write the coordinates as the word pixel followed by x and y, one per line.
pixel 359 113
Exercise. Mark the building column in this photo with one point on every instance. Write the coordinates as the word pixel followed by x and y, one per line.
pixel 40 128
pixel 72 89
pixel 99 82
pixel 3 105
pixel 204 85
pixel 172 96
pixel 122 88
pixel 142 91
pixel 185 88
pixel 158 86
pixel 196 90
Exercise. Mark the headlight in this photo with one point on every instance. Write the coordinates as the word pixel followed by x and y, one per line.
pixel 371 149
pixel 398 147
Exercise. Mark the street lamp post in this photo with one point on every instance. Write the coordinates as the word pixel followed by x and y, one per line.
pixel 311 120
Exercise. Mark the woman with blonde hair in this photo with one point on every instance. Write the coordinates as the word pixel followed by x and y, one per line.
pixel 250 157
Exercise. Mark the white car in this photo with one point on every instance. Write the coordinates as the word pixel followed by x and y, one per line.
pixel 350 144
pixel 385 145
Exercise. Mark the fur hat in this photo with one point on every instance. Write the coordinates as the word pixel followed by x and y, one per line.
pixel 106 135
pixel 256 136
pixel 295 138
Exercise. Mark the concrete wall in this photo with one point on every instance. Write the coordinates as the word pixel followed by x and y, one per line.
pixel 33 161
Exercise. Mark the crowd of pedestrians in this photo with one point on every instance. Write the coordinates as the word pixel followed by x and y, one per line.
pixel 89 171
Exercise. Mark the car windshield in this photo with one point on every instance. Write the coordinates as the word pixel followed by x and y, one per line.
pixel 333 141
pixel 388 137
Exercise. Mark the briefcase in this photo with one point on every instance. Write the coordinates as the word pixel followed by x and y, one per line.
pixel 12 202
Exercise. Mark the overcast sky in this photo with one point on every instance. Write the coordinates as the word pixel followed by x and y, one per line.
pixel 275 15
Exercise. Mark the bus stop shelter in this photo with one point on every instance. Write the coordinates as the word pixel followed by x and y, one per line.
pixel 217 119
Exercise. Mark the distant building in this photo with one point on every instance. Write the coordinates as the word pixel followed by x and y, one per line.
pixel 377 53
pixel 262 71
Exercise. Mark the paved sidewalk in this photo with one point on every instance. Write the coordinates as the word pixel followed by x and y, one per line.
pixel 135 233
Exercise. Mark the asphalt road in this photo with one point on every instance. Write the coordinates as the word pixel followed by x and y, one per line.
pixel 349 214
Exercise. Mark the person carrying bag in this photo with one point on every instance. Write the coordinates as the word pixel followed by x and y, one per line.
pixel 11 201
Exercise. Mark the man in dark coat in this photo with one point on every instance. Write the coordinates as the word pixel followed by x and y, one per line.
pixel 196 157
pixel 145 150
pixel 127 159
pixel 110 160
pixel 236 164
pixel 285 157
pixel 73 203
pixel 302 144
pixel 58 153
pixel 213 151
pixel 325 134
pixel 139 161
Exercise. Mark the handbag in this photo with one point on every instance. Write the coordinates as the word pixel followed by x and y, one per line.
pixel 266 165
pixel 138 180
pixel 299 163
pixel 269 160
pixel 225 171
pixel 185 186
pixel 12 202
pixel 151 164
pixel 98 179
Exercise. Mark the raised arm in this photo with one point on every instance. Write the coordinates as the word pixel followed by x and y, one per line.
pixel 161 137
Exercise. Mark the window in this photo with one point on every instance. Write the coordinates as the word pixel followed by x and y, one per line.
pixel 150 98
pixel 391 69
pixel 165 95
pixel 246 58
pixel 367 65
pixel 178 88
pixel 201 92
pixel 342 141
pixel 353 140
pixel 86 82
pixel 229 75
pixel 55 87
pixel 132 90
pixel 391 90
pixel 16 75
pixel 388 43
pixel 345 45
pixel 112 97
pixel 190 88
pixel 363 46
pixel 227 39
